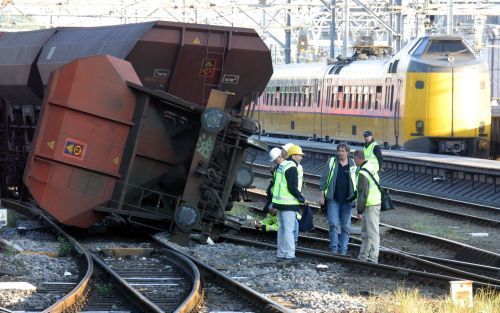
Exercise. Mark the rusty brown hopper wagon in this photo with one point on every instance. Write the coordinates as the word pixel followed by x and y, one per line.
pixel 126 125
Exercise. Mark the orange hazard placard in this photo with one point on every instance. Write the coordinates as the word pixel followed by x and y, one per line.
pixel 208 67
pixel 74 149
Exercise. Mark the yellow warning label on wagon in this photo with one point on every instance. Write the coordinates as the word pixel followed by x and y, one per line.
pixel 51 144
pixel 196 41
pixel 74 148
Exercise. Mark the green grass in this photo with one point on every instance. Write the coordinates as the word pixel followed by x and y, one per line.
pixel 439 231
pixel 65 247
pixel 103 289
pixel 410 301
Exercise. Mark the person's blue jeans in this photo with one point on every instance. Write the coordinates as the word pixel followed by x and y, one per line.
pixel 286 242
pixel 296 230
pixel 339 216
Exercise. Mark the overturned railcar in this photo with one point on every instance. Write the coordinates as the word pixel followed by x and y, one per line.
pixel 143 123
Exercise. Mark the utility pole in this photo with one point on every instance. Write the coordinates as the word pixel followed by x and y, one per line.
pixel 332 30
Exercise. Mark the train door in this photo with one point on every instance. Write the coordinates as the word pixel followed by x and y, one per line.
pixel 397 111
pixel 317 107
pixel 386 123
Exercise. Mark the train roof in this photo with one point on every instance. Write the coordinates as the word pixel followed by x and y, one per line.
pixel 300 71
pixel 362 67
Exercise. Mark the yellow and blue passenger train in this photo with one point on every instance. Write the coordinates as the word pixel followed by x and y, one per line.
pixel 432 96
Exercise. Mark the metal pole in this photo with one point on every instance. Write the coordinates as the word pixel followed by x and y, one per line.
pixel 332 30
pixel 346 29
pixel 288 34
pixel 450 18
pixel 391 13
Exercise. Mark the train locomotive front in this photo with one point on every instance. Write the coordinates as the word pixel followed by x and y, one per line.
pixel 145 123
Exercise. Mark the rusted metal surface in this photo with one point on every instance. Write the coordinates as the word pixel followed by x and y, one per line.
pixel 81 136
pixel 165 55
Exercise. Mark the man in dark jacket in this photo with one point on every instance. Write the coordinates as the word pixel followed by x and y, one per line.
pixel 287 199
pixel 338 186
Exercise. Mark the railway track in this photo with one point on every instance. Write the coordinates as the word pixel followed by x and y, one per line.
pixel 247 299
pixel 126 283
pixel 489 216
pixel 76 292
pixel 407 267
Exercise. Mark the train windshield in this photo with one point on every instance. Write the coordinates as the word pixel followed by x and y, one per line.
pixel 443 48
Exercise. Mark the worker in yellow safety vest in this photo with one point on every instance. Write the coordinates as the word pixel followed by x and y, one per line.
pixel 372 151
pixel 368 208
pixel 287 199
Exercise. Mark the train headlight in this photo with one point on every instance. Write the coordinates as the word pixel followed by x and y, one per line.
pixel 481 128
pixel 214 120
pixel 419 126
pixel 244 177
pixel 187 217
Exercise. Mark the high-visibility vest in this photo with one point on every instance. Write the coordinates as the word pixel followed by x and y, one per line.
pixel 371 157
pixel 271 222
pixel 281 194
pixel 374 195
pixel 300 171
pixel 352 174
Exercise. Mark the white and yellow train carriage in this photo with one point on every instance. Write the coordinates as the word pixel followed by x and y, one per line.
pixel 432 96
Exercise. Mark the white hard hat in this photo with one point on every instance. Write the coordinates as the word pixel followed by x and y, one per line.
pixel 274 153
pixel 287 146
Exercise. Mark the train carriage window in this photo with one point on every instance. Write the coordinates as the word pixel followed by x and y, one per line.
pixel 319 98
pixel 369 104
pixel 290 99
pixel 340 89
pixel 350 101
pixel 362 101
pixel 439 47
pixel 356 104
pixel 344 101
pixel 394 68
pixel 284 99
pixel 310 99
pixel 378 96
pixel 281 99
pixel 294 99
pixel 392 98
pixel 419 84
pixel 328 94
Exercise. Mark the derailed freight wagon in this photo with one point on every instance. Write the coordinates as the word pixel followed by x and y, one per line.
pixel 126 128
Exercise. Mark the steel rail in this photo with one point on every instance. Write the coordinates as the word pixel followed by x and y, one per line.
pixel 265 304
pixel 394 270
pixel 78 294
